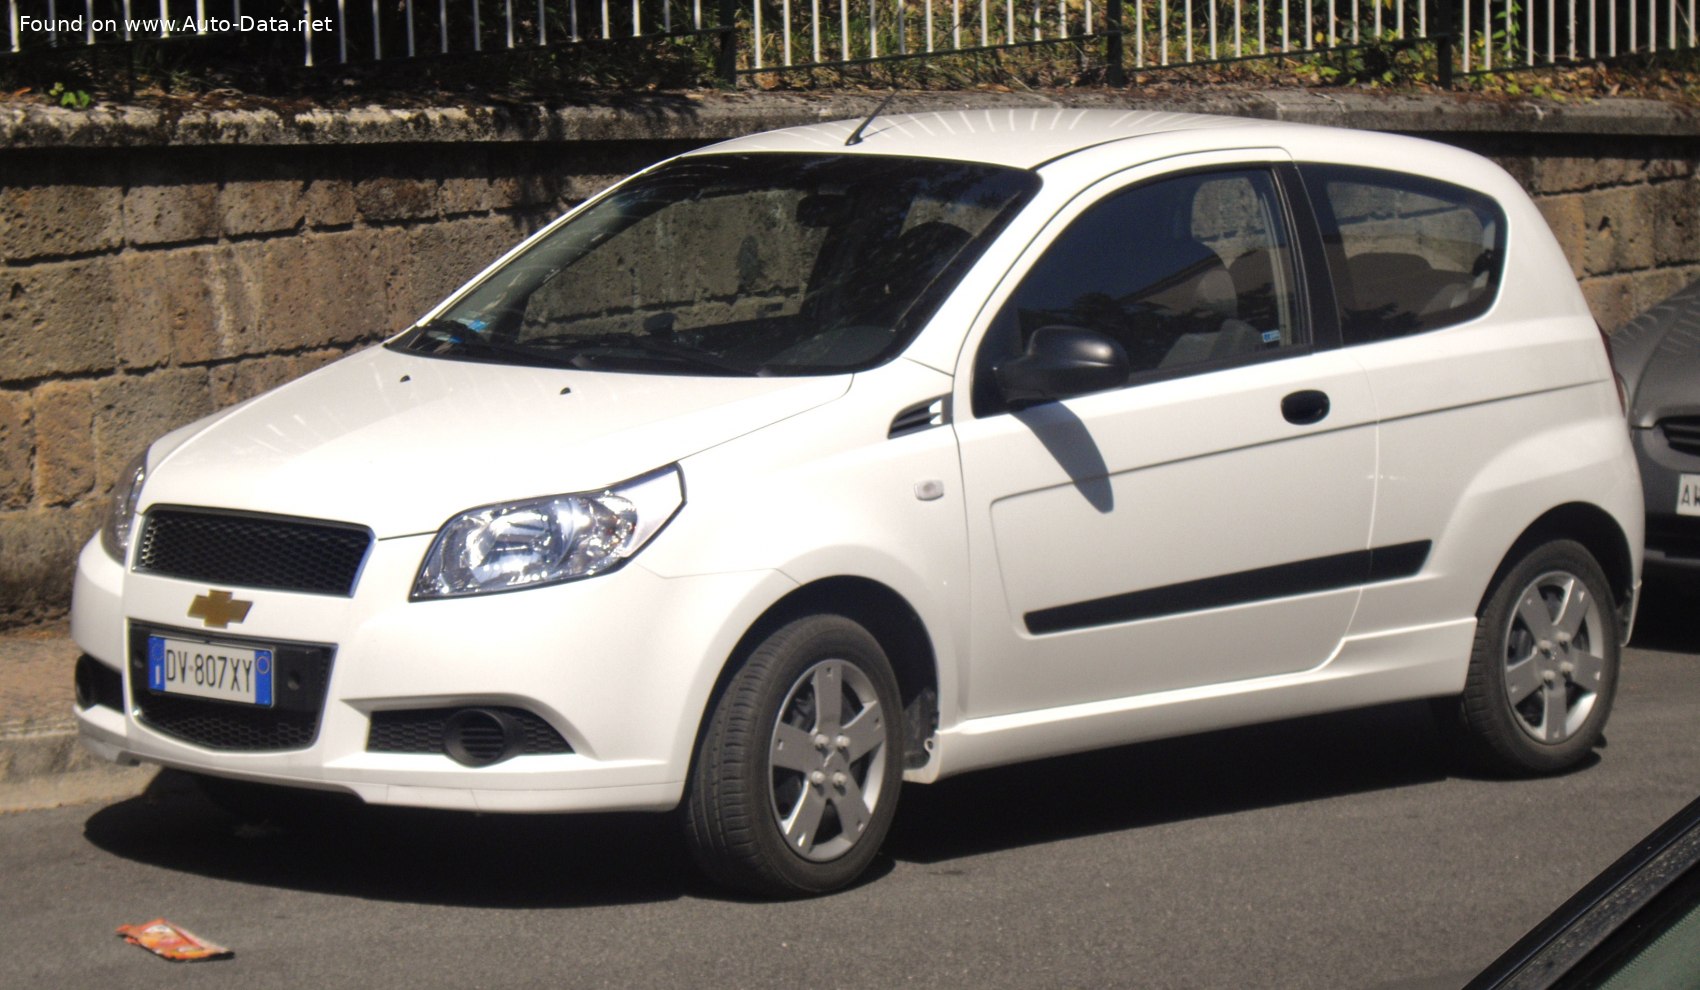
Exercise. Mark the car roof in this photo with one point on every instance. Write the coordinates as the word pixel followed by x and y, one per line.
pixel 1658 354
pixel 1076 148
pixel 1018 137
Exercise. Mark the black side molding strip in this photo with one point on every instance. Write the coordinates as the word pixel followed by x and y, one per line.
pixel 1398 561
pixel 1302 577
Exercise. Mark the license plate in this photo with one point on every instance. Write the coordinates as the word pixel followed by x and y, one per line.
pixel 1688 495
pixel 219 671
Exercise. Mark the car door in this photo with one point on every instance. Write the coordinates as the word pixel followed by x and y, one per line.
pixel 1205 523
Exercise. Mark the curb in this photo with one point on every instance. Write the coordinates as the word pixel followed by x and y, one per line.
pixel 42 765
pixel 46 767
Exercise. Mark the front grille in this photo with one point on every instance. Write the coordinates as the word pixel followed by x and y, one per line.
pixel 1683 434
pixel 301 676
pixel 221 726
pixel 318 558
pixel 422 730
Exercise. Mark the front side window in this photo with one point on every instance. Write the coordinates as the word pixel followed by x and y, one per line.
pixel 739 264
pixel 1406 254
pixel 1186 273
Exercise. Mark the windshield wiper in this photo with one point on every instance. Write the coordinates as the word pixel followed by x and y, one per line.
pixel 592 345
pixel 444 337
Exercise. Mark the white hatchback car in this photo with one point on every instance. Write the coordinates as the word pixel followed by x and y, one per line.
pixel 828 458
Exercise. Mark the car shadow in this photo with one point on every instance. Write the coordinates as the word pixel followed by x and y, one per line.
pixel 341 847
pixel 1665 620
pixel 1148 784
pixel 338 846
pixel 1067 439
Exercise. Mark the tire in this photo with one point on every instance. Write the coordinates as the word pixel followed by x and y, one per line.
pixel 787 798
pixel 1544 666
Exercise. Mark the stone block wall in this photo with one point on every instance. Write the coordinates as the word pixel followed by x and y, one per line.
pixel 1627 213
pixel 155 268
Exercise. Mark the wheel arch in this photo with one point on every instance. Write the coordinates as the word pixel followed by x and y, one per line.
pixel 889 618
pixel 1590 526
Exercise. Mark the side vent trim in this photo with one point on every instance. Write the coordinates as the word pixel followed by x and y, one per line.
pixel 920 416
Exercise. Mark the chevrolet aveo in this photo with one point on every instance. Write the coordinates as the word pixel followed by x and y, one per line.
pixel 826 459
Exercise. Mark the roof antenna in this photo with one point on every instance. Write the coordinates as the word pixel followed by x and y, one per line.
pixel 855 137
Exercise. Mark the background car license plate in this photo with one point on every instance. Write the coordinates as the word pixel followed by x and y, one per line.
pixel 1688 495
pixel 210 670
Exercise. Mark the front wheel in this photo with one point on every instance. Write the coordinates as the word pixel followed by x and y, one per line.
pixel 795 781
pixel 1544 667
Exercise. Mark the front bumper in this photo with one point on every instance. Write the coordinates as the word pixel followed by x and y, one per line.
pixel 1673 539
pixel 620 665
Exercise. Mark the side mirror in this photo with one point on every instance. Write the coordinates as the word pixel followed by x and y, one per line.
pixel 1060 362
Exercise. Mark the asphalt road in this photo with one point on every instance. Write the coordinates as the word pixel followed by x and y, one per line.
pixel 1328 852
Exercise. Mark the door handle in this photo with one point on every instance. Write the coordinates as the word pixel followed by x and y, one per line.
pixel 1305 407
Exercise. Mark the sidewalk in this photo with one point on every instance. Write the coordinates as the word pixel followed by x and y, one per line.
pixel 41 763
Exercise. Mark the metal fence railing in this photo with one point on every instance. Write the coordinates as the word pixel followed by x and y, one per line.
pixel 784 35
pixel 1206 31
pixel 808 33
pixel 1503 34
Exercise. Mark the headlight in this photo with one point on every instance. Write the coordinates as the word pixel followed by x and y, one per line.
pixel 547 540
pixel 121 515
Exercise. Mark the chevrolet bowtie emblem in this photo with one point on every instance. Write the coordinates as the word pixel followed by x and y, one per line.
pixel 218 609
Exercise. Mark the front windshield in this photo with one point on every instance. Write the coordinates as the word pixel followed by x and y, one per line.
pixel 738 264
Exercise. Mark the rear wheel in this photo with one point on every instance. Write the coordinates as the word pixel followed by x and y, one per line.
pixel 1544 667
pixel 795 781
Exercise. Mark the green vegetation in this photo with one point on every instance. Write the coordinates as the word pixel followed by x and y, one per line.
pixel 76 99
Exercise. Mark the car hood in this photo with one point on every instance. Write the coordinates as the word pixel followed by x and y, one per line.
pixel 401 443
pixel 1658 355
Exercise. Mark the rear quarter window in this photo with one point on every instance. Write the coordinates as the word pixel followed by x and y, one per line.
pixel 1406 254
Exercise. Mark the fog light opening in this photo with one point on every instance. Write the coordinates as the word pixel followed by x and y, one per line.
pixel 86 683
pixel 479 737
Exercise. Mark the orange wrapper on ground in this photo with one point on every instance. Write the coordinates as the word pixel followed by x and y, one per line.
pixel 166 940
